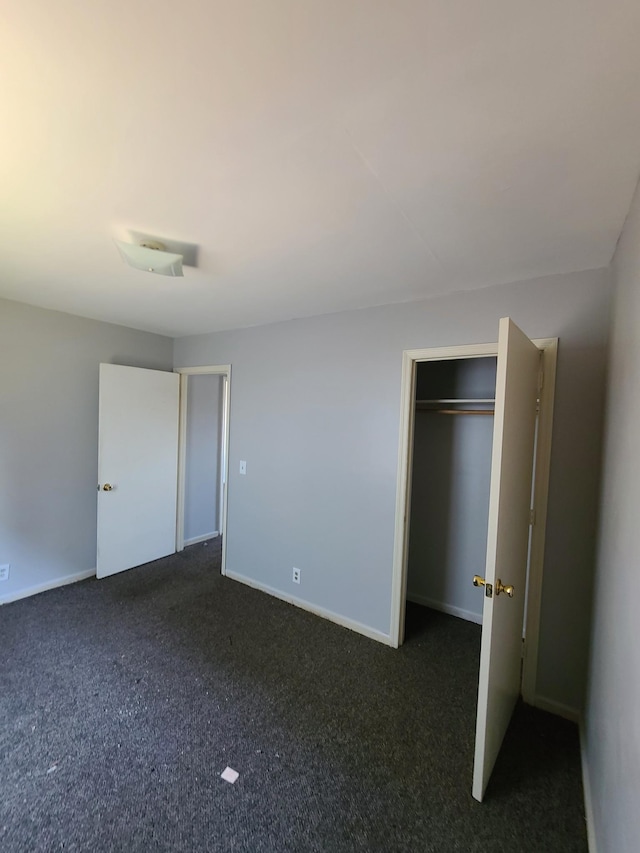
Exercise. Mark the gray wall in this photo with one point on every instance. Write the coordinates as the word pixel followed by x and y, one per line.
pixel 49 436
pixel 613 707
pixel 315 412
pixel 202 464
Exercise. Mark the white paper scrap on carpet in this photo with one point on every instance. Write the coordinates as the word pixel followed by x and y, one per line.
pixel 229 775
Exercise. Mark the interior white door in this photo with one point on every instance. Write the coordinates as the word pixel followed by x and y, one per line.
pixel 507 545
pixel 137 467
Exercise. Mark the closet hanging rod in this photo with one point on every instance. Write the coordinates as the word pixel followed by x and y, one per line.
pixel 460 400
pixel 458 411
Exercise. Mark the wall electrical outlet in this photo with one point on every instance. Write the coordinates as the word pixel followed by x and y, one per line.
pixel 296 575
pixel 4 572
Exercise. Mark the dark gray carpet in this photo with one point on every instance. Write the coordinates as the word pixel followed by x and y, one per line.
pixel 124 699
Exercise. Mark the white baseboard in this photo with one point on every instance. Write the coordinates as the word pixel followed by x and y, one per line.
pixel 450 609
pixel 358 627
pixel 43 587
pixel 586 787
pixel 556 708
pixel 195 539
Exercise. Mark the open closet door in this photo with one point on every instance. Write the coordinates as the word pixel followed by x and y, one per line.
pixel 137 467
pixel 507 545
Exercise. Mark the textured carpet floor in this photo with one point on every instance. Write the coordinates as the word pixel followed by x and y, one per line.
pixel 124 699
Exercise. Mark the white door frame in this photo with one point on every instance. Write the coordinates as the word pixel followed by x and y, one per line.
pixel 223 370
pixel 410 360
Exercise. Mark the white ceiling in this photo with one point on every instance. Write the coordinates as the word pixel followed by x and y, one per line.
pixel 324 154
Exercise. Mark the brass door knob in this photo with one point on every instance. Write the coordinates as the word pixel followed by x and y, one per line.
pixel 506 588
pixel 107 487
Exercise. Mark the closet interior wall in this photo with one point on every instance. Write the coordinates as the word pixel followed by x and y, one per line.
pixel 451 475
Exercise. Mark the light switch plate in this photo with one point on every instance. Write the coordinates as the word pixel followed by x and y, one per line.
pixel 243 466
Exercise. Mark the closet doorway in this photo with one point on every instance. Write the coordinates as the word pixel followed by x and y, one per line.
pixel 451 477
pixel 203 453
pixel 466 478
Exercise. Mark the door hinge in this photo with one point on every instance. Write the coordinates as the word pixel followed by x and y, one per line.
pixel 532 517
pixel 540 380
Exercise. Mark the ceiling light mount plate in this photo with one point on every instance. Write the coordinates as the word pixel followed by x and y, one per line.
pixel 189 251
pixel 156 245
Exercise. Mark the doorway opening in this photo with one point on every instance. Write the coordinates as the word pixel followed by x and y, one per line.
pixel 451 478
pixel 470 478
pixel 203 448
pixel 426 373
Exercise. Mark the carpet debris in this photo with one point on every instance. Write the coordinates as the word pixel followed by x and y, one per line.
pixel 229 775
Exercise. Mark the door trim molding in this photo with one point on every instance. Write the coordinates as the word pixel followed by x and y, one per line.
pixel 410 359
pixel 214 370
pixel 541 474
pixel 589 810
